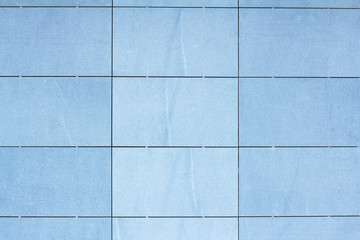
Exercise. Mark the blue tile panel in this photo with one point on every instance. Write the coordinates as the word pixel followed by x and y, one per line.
pixel 301 3
pixel 55 182
pixel 299 42
pixel 180 42
pixel 299 182
pixel 55 3
pixel 57 229
pixel 175 182
pixel 177 3
pixel 55 111
pixel 170 112
pixel 303 112
pixel 300 228
pixel 55 41
pixel 179 229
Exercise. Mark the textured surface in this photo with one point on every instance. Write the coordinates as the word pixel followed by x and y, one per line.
pixel 179 119
pixel 175 182
pixel 56 3
pixel 55 41
pixel 55 182
pixel 172 229
pixel 175 112
pixel 178 3
pixel 301 3
pixel 298 42
pixel 301 111
pixel 299 228
pixel 299 182
pixel 44 229
pixel 180 42
pixel 55 111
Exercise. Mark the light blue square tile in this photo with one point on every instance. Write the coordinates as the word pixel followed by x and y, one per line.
pixel 180 42
pixel 278 182
pixel 300 228
pixel 344 45
pixel 55 111
pixel 178 3
pixel 55 3
pixel 175 182
pixel 179 229
pixel 284 42
pixel 299 112
pixel 55 182
pixel 56 229
pixel 300 3
pixel 55 41
pixel 299 42
pixel 175 111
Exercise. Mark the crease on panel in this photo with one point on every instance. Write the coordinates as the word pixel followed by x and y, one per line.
pixel 203 38
pixel 328 64
pixel 193 190
pixel 17 3
pixel 172 178
pixel 63 123
pixel 168 114
pixel 117 229
pixel 175 44
pixel 170 101
pixel 182 42
pixel 307 199
pixel 292 187
pixel 329 110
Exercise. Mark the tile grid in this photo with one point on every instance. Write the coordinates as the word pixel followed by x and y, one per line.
pixel 112 76
pixel 238 147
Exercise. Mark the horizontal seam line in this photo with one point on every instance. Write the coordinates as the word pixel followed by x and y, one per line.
pixel 189 7
pixel 164 76
pixel 11 146
pixel 241 216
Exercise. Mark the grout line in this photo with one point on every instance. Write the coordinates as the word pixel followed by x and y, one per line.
pixel 219 147
pixel 113 146
pixel 298 146
pixel 238 7
pixel 176 7
pixel 180 217
pixel 303 8
pixel 47 216
pixel 231 77
pixel 94 146
pixel 174 216
pixel 323 77
pixel 172 76
pixel 188 7
pixel 304 216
